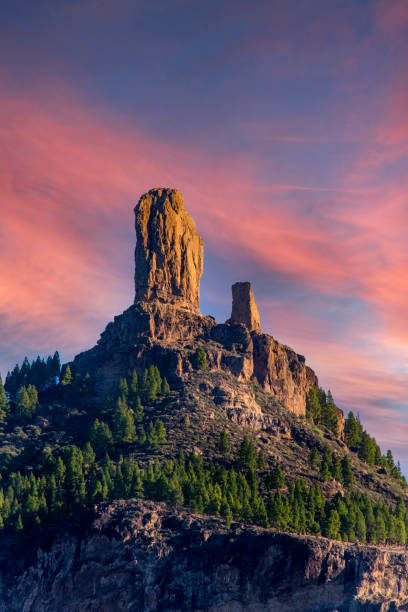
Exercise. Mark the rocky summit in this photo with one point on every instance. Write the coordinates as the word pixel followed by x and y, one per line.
pixel 187 465
pixel 164 326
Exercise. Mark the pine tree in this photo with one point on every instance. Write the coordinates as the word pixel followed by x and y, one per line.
pixel 226 513
pixel 141 438
pixel 329 414
pixel 333 524
pixel 52 494
pixel 314 458
pixel 56 365
pixel 151 383
pixel 351 431
pixel 165 388
pixel 89 455
pixel 66 376
pixel 389 461
pixel 33 397
pixel 261 461
pixel 138 410
pixel 367 448
pixel 347 472
pixel 137 482
pixel 277 479
pixel 75 480
pixel 101 438
pixel 336 469
pixel 326 464
pixel 247 457
pixel 314 408
pixel 152 435
pixel 23 404
pixel 380 528
pixel 124 430
pixel 123 389
pixel 160 432
pixel 224 443
pixel 4 405
pixel 13 384
pixel 19 524
pixel 259 513
pixel 400 532
pixel 361 527
pixel 133 387
pixel 60 471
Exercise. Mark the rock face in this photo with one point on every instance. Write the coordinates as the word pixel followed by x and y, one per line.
pixel 169 251
pixel 244 308
pixel 144 556
pixel 164 326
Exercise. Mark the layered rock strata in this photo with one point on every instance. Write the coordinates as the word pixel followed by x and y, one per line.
pixel 144 556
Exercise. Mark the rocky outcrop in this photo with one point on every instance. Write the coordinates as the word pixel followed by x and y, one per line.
pixel 164 326
pixel 169 251
pixel 244 308
pixel 144 556
pixel 282 372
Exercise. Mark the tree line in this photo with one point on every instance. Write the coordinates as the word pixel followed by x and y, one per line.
pixel 359 441
pixel 40 373
pixel 322 410
pixel 241 487
pixel 72 479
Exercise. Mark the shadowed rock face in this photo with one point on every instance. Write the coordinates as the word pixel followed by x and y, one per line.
pixel 145 557
pixel 244 308
pixel 169 251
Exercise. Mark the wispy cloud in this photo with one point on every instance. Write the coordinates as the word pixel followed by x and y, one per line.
pixel 293 164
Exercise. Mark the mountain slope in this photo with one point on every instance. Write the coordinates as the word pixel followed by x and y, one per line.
pixel 171 406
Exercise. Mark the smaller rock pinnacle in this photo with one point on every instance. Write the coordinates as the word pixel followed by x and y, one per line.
pixel 244 308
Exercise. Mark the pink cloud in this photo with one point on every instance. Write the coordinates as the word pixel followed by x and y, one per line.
pixel 392 15
pixel 70 175
pixel 69 178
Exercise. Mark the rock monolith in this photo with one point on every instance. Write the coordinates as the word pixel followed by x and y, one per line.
pixel 244 308
pixel 169 251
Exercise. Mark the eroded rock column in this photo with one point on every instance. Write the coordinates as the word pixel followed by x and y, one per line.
pixel 169 251
pixel 244 308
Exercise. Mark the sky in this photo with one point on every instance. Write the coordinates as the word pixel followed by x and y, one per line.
pixel 285 126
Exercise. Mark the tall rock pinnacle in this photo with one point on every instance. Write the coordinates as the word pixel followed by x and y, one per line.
pixel 169 251
pixel 244 308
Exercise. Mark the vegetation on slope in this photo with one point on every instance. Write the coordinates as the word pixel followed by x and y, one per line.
pixel 121 449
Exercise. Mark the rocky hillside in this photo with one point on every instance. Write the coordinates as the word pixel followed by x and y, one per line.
pixel 219 420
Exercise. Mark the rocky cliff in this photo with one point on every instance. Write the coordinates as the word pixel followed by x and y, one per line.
pixel 144 556
pixel 164 326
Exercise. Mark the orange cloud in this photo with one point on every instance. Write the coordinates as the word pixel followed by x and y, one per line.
pixel 69 178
